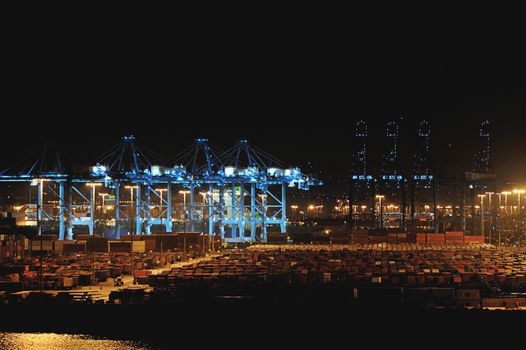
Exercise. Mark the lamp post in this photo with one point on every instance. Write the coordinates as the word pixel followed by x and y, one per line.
pixel 184 193
pixel 39 183
pixel 506 194
pixel 482 228
pixel 161 190
pixel 311 207
pixel 380 198
pixel 93 186
pixel 491 213
pixel 103 195
pixel 519 194
pixel 294 208
pixel 131 188
pixel 207 198
pixel 264 215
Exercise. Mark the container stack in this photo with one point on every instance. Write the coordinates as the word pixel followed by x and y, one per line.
pixel 420 238
pixel 454 237
pixel 97 244
pixel 337 264
pixel 360 237
pixel 474 239
pixel 120 247
pixel 74 247
pixel 435 238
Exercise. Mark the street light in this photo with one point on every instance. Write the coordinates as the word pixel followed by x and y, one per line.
pixel 131 188
pixel 294 208
pixel 264 215
pixel 103 195
pixel 93 186
pixel 518 193
pixel 489 194
pixel 262 196
pixel 506 194
pixel 161 190
pixel 380 198
pixel 490 206
pixel 482 196
pixel 184 193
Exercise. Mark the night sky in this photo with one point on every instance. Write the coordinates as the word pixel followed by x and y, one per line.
pixel 295 96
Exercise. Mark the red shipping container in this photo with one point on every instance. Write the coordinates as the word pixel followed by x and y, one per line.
pixel 453 234
pixel 435 238
pixel 420 238
pixel 474 239
pixel 377 239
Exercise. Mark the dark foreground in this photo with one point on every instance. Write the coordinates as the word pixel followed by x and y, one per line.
pixel 242 324
pixel 55 341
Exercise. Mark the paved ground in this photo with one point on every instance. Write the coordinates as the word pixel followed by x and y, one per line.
pixel 104 289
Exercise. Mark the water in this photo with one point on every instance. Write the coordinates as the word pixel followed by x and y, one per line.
pixel 52 341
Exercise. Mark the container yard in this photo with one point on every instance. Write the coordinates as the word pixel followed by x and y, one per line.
pixel 372 264
pixel 52 265
pixel 447 270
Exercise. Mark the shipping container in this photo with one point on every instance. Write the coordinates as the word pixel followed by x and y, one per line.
pixel 435 238
pixel 74 247
pixel 97 244
pixel 139 246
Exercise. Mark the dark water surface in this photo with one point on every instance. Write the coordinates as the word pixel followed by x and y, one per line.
pixel 53 341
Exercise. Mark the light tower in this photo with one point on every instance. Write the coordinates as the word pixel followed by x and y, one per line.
pixel 391 178
pixel 360 167
pixel 483 158
pixel 482 179
pixel 361 184
pixel 422 176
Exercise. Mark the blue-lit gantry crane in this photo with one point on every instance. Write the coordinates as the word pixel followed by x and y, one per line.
pixel 243 190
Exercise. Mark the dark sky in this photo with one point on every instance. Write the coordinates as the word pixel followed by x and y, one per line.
pixel 295 94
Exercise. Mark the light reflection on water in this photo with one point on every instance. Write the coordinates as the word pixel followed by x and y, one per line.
pixel 52 341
